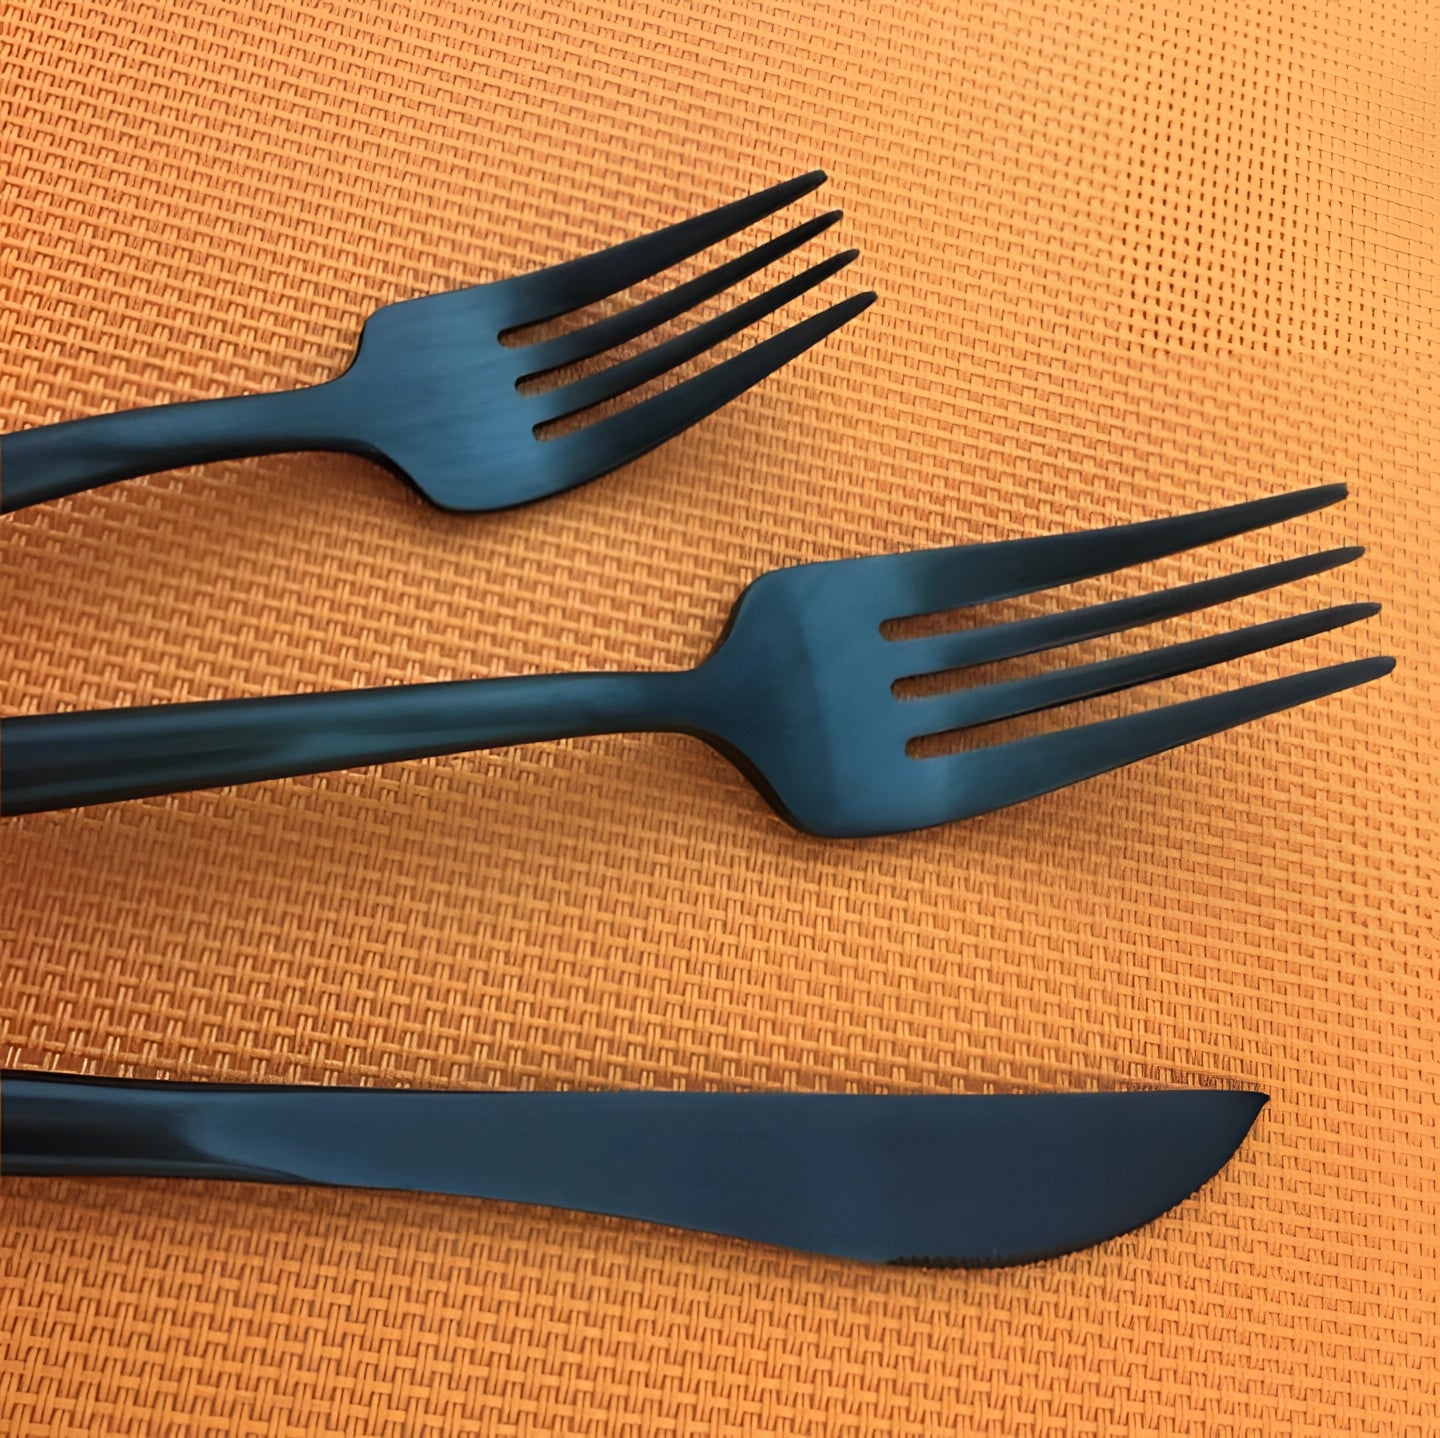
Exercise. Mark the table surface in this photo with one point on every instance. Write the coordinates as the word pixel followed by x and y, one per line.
pixel 1133 259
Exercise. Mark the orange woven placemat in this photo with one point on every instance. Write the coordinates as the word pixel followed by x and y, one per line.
pixel 1133 259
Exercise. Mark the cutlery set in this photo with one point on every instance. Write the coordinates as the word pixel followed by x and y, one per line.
pixel 804 692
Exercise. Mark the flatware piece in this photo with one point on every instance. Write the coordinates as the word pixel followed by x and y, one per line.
pixel 932 1180
pixel 435 394
pixel 799 693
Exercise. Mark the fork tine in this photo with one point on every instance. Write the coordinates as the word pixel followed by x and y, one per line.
pixel 605 334
pixel 588 453
pixel 574 283
pixel 965 708
pixel 930 580
pixel 992 642
pixel 616 379
pixel 1006 774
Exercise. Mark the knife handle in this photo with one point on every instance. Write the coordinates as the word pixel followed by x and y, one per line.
pixel 74 455
pixel 61 761
pixel 67 1125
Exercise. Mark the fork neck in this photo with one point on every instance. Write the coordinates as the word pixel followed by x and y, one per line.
pixel 94 756
pixel 533 708
pixel 81 454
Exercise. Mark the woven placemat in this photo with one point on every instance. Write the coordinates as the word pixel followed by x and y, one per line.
pixel 1133 259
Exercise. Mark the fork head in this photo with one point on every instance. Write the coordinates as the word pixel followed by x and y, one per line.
pixel 435 393
pixel 801 692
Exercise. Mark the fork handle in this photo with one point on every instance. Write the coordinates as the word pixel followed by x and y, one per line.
pixel 79 454
pixel 62 761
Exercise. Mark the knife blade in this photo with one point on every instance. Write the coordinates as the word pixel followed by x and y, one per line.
pixel 932 1180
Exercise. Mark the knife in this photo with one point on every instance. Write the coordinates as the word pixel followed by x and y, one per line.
pixel 929 1180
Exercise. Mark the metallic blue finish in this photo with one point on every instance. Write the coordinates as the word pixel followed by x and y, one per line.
pixel 432 392
pixel 950 1180
pixel 799 693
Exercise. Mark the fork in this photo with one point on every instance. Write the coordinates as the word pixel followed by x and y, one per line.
pixel 433 393
pixel 798 693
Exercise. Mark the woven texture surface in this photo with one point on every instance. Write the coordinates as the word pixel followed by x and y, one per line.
pixel 1133 259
